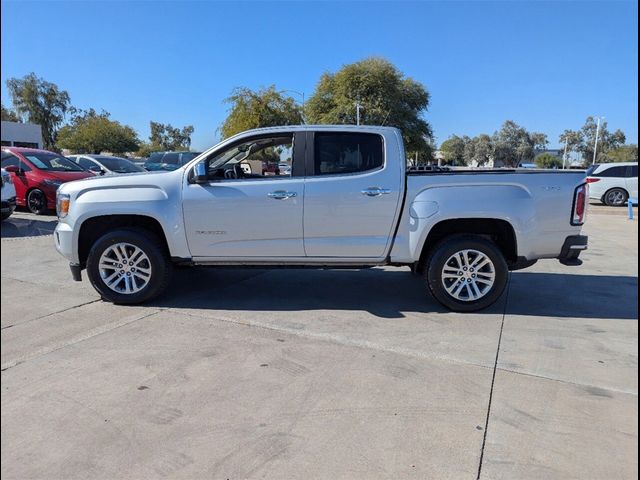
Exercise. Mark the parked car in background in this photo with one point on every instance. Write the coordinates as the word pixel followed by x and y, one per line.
pixel 8 195
pixel 613 183
pixel 37 174
pixel 168 160
pixel 106 165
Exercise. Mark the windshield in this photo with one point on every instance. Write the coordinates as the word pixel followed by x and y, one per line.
pixel 119 165
pixel 52 162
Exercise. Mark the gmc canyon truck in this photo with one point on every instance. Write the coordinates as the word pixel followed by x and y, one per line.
pixel 341 197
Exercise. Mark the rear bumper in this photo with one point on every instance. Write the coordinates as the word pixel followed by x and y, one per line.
pixel 573 246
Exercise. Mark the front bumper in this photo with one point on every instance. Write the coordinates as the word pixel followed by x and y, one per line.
pixel 63 238
pixel 573 246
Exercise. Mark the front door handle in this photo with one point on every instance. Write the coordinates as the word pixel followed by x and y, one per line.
pixel 281 195
pixel 375 191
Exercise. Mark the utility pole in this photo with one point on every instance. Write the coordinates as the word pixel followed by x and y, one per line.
pixel 564 157
pixel 358 112
pixel 595 145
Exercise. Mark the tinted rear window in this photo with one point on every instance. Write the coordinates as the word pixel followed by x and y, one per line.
pixel 612 172
pixel 341 153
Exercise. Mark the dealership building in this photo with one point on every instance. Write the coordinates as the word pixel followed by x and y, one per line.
pixel 15 134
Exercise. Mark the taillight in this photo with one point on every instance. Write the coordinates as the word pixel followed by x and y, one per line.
pixel 592 179
pixel 580 199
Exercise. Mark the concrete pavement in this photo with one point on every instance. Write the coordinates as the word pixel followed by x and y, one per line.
pixel 320 374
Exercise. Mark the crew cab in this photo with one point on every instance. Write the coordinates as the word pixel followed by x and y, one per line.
pixel 346 200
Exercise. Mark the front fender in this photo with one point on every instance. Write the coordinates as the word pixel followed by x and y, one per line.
pixel 147 200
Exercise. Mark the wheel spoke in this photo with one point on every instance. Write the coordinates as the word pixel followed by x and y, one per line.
pixel 476 290
pixel 450 275
pixel 113 280
pixel 469 291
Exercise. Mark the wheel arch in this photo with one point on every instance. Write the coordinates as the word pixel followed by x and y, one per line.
pixel 93 228
pixel 500 231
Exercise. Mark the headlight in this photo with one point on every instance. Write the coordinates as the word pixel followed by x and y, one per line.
pixel 62 204
pixel 53 183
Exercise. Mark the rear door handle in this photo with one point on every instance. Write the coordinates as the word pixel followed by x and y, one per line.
pixel 281 195
pixel 375 191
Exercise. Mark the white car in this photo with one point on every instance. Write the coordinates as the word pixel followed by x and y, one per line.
pixel 8 195
pixel 613 183
pixel 106 165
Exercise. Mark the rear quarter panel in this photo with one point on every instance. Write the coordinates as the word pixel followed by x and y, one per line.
pixel 536 204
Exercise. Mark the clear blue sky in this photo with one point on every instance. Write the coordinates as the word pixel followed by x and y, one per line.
pixel 546 65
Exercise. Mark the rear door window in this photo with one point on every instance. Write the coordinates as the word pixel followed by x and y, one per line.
pixel 615 172
pixel 347 153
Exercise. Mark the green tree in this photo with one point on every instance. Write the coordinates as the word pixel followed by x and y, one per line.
pixel 572 140
pixel 453 149
pixel 38 101
pixel 266 107
pixel 9 115
pixel 386 97
pixel 546 160
pixel 91 132
pixel 625 153
pixel 539 140
pixel 607 140
pixel 478 151
pixel 513 145
pixel 166 137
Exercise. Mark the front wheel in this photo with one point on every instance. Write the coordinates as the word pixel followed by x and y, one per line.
pixel 616 197
pixel 466 273
pixel 37 202
pixel 128 266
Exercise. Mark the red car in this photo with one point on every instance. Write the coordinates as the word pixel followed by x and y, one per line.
pixel 37 174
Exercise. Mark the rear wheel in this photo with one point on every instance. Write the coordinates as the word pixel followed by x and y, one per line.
pixel 466 273
pixel 616 197
pixel 37 202
pixel 128 266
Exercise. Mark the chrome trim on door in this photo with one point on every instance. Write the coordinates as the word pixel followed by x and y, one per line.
pixel 375 191
pixel 281 195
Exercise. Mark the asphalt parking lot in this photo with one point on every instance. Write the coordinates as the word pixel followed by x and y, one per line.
pixel 321 374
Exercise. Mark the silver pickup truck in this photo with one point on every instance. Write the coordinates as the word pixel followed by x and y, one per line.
pixel 320 196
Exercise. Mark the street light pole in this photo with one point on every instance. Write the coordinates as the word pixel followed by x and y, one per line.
pixel 595 145
pixel 564 157
pixel 357 113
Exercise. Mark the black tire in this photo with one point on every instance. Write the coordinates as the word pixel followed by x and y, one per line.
pixel 448 247
pixel 37 202
pixel 158 260
pixel 616 197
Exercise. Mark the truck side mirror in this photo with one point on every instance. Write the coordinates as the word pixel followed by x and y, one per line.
pixel 200 173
